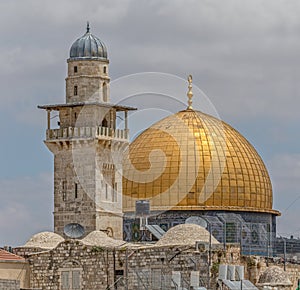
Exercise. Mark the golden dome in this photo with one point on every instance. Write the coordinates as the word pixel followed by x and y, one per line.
pixel 193 161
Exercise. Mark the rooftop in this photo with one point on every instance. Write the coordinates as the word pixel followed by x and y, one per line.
pixel 7 256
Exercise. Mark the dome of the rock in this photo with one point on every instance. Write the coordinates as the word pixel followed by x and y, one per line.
pixel 193 161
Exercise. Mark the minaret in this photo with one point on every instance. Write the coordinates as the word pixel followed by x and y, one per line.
pixel 87 145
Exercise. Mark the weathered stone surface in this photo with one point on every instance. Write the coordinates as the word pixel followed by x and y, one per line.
pixel 275 277
pixel 9 284
pixel 186 234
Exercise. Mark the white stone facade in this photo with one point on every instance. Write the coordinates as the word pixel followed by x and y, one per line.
pixel 87 148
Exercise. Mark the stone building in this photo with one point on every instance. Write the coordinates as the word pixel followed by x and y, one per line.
pixel 191 165
pixel 274 278
pixel 87 145
pixel 188 165
pixel 14 271
pixel 206 185
pixel 100 262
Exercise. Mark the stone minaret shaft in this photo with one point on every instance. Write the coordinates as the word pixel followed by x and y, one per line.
pixel 87 145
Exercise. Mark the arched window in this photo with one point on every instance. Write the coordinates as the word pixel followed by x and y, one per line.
pixel 104 123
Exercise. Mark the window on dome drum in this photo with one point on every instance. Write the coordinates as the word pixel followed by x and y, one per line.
pixel 231 232
pixel 104 69
pixel 75 90
pixel 75 69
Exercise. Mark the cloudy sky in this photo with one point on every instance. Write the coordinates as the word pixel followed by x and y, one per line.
pixel 244 55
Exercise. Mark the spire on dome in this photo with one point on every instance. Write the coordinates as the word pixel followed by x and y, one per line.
pixel 190 93
pixel 88 46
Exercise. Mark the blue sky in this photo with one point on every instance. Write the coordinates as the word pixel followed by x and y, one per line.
pixel 244 55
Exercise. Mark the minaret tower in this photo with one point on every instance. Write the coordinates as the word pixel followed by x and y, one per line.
pixel 87 145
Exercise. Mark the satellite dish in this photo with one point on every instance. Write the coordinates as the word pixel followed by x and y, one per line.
pixel 74 230
pixel 196 220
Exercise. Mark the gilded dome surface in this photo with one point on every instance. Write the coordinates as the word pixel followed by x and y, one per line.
pixel 193 161
pixel 88 46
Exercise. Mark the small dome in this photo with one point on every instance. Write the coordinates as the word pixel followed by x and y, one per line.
pixel 274 276
pixel 101 239
pixel 88 46
pixel 186 234
pixel 44 240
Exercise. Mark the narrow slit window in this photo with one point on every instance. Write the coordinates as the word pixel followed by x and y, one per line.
pixel 64 190
pixel 75 69
pixel 115 194
pixel 104 69
pixel 76 190
pixel 75 90
pixel 106 191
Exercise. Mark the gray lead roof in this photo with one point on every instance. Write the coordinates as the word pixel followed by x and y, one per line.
pixel 88 46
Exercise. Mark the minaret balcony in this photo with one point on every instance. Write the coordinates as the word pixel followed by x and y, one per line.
pixel 99 132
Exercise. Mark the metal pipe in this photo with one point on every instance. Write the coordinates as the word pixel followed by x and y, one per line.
pixel 126 269
pixel 209 264
pixel 48 119
pixel 284 254
pixel 126 119
pixel 114 257
pixel 225 236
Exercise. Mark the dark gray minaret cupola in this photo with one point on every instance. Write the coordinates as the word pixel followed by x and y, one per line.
pixel 88 46
pixel 88 77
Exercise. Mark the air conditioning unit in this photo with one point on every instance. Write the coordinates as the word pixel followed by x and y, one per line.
pixel 231 272
pixel 239 273
pixel 202 246
pixel 222 272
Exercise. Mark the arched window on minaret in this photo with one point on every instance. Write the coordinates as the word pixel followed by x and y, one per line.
pixel 104 123
pixel 104 92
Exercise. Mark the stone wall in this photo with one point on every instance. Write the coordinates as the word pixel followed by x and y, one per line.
pixel 82 192
pixel 15 270
pixel 91 81
pixel 9 284
pixel 95 265
pixel 255 266
pixel 100 267
pixel 156 265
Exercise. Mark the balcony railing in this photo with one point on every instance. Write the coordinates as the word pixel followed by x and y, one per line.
pixel 86 132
